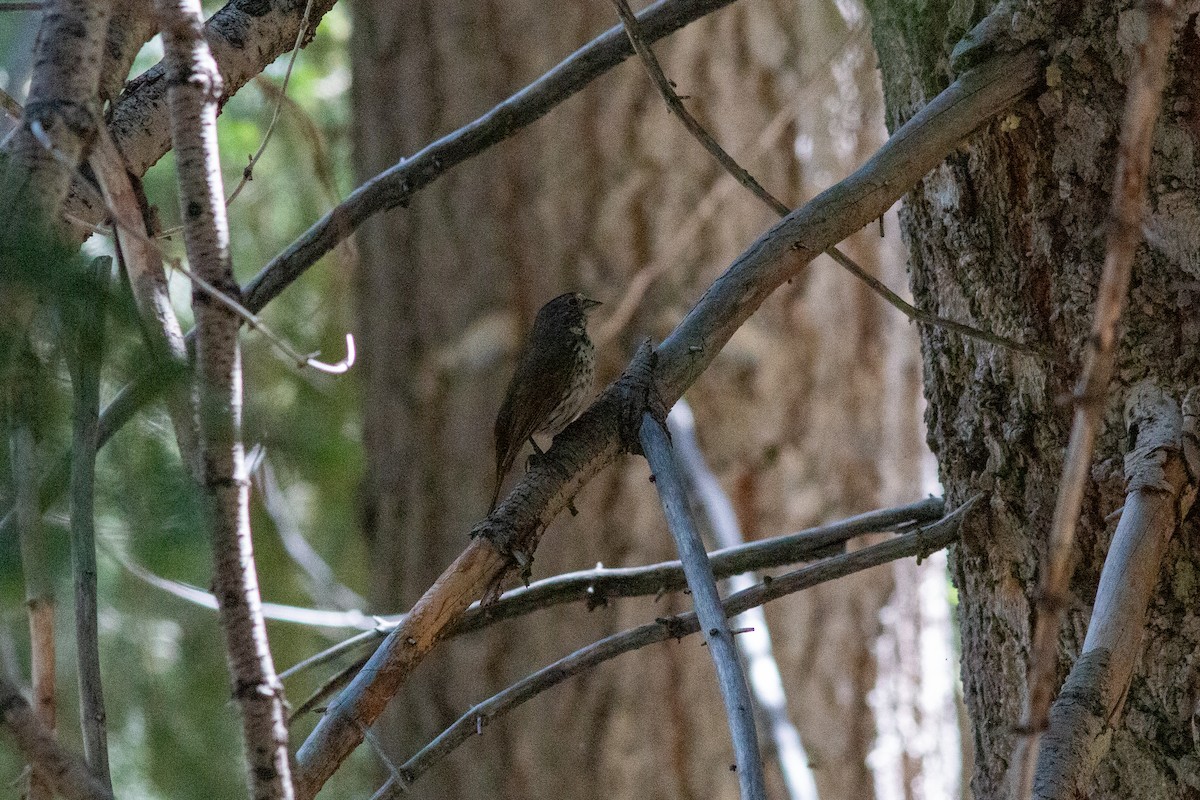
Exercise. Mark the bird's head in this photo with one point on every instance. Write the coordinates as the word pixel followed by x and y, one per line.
pixel 571 307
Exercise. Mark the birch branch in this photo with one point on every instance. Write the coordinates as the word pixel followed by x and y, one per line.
pixel 194 92
pixel 143 263
pixel 1160 494
pixel 1124 234
pixel 608 427
pixel 59 117
pixel 88 349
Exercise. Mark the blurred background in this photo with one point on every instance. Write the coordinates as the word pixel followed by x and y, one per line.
pixel 368 484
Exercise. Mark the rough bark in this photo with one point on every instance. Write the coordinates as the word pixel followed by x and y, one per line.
pixel 1004 234
pixel 608 185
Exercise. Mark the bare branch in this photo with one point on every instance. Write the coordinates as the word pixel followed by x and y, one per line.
pixel 766 680
pixel 57 124
pixel 1124 234
pixel 88 354
pixel 1160 491
pixel 596 587
pixel 143 261
pixel 597 437
pixel 194 90
pixel 710 615
pixel 65 771
pixel 918 543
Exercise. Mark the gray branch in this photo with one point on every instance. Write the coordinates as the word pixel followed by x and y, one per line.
pixel 88 355
pixel 754 642
pixel 1160 492
pixel 730 677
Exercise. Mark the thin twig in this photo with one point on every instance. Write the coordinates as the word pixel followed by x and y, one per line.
pixel 1124 235
pixel 136 232
pixel 248 172
pixel 276 612
pixel 88 355
pixel 739 709
pixel 766 680
pixel 65 771
pixel 742 176
pixel 597 437
pixel 596 587
pixel 918 543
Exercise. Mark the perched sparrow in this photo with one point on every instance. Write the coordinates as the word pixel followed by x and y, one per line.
pixel 552 380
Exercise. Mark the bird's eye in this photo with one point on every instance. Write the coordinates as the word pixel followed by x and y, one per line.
pixel 574 299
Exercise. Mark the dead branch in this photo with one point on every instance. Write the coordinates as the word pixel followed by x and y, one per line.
pixel 1160 490
pixel 735 692
pixel 766 680
pixel 596 587
pixel 742 176
pixel 1124 234
pixel 65 771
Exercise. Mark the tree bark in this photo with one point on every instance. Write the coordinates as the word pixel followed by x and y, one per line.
pixel 1004 234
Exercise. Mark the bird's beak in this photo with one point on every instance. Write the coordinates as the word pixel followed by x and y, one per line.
pixel 589 303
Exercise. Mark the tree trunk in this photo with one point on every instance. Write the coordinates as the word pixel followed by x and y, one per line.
pixel 1007 234
pixel 791 415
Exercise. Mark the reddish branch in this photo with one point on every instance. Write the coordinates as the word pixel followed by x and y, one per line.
pixel 604 430
pixel 1124 235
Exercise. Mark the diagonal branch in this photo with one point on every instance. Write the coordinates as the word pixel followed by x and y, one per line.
pixel 1159 493
pixel 138 130
pixel 604 430
pixel 1124 235
pixel 596 587
pixel 731 678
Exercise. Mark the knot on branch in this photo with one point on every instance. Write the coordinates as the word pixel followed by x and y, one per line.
pixel 1154 425
pixel 639 392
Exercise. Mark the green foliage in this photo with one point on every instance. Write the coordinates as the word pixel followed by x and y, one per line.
pixel 173 731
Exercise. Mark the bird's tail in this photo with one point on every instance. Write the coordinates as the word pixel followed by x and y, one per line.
pixel 496 491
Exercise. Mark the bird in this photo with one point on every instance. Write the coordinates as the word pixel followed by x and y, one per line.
pixel 552 380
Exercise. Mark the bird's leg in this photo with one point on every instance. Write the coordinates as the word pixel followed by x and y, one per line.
pixel 532 461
